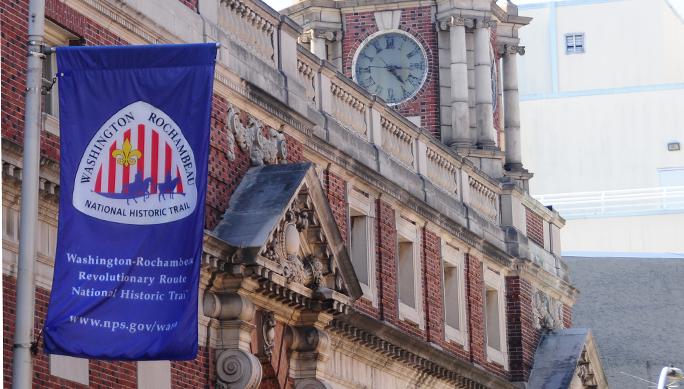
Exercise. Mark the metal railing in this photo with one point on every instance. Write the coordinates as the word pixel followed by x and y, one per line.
pixel 626 202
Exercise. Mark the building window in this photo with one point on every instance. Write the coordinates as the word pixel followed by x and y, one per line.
pixel 69 368
pixel 454 295
pixel 410 291
pixel 574 43
pixel 54 36
pixel 495 317
pixel 362 241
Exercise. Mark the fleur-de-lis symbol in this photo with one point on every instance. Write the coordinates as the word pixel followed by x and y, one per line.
pixel 125 156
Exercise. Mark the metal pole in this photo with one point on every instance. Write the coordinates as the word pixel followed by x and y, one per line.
pixel 22 363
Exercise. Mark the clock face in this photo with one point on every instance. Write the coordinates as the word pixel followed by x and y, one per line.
pixel 392 66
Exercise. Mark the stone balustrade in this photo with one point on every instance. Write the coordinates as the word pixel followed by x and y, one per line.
pixel 442 170
pixel 251 26
pixel 398 142
pixel 345 104
pixel 483 197
pixel 308 66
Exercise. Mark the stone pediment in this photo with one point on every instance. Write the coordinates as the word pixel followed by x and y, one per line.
pixel 567 358
pixel 279 220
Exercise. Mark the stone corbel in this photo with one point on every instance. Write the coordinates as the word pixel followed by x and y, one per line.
pixel 309 347
pixel 236 366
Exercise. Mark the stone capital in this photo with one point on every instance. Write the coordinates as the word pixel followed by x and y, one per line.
pixel 328 35
pixel 512 49
pixel 485 23
pixel 451 21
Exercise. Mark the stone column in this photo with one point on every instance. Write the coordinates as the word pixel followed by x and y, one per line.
pixel 460 122
pixel 236 366
pixel 486 138
pixel 318 45
pixel 512 107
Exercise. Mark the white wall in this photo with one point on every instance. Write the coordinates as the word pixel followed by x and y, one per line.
pixel 639 234
pixel 602 142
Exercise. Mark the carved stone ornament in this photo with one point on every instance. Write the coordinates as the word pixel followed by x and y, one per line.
pixel 585 371
pixel 237 369
pixel 547 311
pixel 263 149
pixel 268 324
pixel 299 246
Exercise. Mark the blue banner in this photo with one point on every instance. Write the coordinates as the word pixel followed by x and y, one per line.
pixel 134 131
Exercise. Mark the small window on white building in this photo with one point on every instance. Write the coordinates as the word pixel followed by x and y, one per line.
pixel 495 317
pixel 362 241
pixel 454 295
pixel 574 43
pixel 409 269
pixel 69 368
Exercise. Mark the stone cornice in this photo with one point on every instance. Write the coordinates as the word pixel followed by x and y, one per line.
pixel 386 339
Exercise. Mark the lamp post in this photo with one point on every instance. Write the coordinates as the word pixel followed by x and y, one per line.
pixel 22 363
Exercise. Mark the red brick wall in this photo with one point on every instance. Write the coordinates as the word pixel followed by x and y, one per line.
pixel 475 301
pixel 567 316
pixel 418 22
pixel 523 337
pixel 336 191
pixel 14 18
pixel 535 227
pixel 199 372
pixel 386 268
pixel 192 4
pixel 433 296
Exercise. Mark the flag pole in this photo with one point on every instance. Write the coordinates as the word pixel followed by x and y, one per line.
pixel 22 363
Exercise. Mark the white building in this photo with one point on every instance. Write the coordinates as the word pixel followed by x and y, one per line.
pixel 602 102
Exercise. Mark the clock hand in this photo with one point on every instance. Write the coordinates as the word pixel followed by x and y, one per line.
pixel 393 71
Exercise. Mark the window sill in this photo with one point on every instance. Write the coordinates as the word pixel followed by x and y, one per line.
pixel 50 123
pixel 409 314
pixel 496 356
pixel 452 334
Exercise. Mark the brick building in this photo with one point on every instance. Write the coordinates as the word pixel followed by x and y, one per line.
pixel 350 241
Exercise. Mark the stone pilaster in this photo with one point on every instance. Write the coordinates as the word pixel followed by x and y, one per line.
pixel 486 138
pixel 512 107
pixel 309 352
pixel 236 366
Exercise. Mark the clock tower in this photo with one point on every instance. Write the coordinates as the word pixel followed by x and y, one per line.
pixel 448 66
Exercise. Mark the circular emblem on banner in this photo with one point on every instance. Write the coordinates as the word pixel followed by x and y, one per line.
pixel 137 169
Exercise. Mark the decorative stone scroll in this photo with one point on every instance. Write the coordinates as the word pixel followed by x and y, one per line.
pixel 547 311
pixel 269 149
pixel 245 25
pixel 397 142
pixel 299 246
pixel 348 109
pixel 236 366
pixel 441 171
pixel 483 199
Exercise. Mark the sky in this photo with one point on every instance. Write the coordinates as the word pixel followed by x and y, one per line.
pixel 677 5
